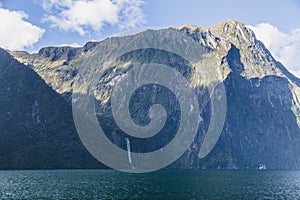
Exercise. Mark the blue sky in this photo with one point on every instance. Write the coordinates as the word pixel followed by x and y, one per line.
pixel 32 24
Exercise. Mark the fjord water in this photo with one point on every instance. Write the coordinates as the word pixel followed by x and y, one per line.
pixel 166 184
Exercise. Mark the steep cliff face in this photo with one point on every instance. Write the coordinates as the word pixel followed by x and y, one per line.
pixel 263 112
pixel 36 125
pixel 262 122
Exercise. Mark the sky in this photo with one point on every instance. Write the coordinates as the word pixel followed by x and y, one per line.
pixel 32 24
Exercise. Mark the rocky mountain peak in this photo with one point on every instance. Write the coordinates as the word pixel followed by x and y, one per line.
pixel 219 39
pixel 223 34
pixel 234 30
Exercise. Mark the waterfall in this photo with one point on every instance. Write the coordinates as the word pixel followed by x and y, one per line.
pixel 128 150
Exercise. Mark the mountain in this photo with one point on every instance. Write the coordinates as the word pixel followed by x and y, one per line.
pixel 36 125
pixel 263 113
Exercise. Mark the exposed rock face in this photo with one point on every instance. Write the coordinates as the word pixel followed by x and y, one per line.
pixel 263 112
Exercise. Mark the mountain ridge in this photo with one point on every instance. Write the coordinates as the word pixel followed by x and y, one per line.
pixel 263 114
pixel 210 37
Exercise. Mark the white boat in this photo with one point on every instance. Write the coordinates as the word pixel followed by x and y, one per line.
pixel 262 166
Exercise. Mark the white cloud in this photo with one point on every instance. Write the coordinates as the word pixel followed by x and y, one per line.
pixel 285 47
pixel 80 15
pixel 131 13
pixel 15 32
pixel 49 4
pixel 75 44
